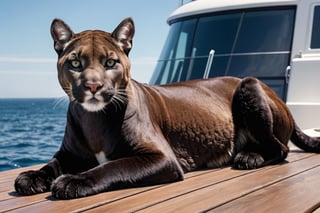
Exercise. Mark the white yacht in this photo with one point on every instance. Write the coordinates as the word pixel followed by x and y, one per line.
pixel 277 41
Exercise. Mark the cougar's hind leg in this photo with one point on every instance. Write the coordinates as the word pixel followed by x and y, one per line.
pixel 255 143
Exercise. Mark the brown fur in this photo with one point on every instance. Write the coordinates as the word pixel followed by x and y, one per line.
pixel 121 133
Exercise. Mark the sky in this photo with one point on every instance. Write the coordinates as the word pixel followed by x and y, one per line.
pixel 27 57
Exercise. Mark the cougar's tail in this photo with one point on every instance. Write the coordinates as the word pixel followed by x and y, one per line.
pixel 305 142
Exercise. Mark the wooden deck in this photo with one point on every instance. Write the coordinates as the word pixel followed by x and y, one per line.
pixel 290 187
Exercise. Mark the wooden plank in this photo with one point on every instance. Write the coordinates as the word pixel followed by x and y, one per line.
pixel 18 202
pixel 176 189
pixel 218 194
pixel 10 175
pixel 171 191
pixel 4 187
pixel 297 194
pixel 92 201
pixel 7 178
pixel 6 196
pixel 44 202
pixel 110 197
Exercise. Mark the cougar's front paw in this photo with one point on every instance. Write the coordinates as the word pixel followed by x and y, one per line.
pixel 32 182
pixel 248 160
pixel 72 186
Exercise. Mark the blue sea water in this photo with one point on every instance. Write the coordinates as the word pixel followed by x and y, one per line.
pixel 31 131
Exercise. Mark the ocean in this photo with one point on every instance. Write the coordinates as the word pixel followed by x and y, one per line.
pixel 31 131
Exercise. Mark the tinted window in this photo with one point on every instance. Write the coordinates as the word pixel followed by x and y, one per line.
pixel 260 65
pixel 219 65
pixel 263 45
pixel 315 39
pixel 265 31
pixel 172 65
pixel 216 32
pixel 171 41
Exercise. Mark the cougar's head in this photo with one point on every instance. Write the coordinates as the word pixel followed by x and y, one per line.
pixel 93 66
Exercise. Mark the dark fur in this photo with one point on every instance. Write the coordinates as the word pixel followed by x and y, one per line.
pixel 153 134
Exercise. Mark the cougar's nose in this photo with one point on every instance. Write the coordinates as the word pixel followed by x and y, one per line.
pixel 93 87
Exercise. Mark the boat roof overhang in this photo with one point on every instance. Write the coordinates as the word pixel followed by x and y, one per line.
pixel 199 7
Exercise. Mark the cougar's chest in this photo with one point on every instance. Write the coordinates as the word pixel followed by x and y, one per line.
pixel 99 142
pixel 100 134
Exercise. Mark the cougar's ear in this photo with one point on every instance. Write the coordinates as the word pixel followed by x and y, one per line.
pixel 123 34
pixel 61 34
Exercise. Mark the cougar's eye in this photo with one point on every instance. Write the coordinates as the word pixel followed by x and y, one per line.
pixel 75 63
pixel 110 63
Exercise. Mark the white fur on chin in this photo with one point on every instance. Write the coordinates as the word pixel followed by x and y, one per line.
pixel 93 107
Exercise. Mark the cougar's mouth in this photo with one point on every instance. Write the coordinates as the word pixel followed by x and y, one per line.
pixel 94 103
pixel 93 100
